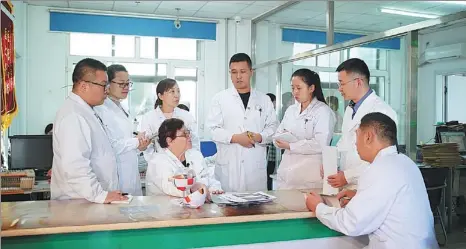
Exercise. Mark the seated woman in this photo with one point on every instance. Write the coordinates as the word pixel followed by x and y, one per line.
pixel 176 155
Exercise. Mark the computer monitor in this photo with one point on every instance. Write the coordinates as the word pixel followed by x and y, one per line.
pixel 31 152
pixel 454 137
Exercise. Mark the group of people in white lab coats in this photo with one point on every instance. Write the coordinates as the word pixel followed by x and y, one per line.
pixel 95 150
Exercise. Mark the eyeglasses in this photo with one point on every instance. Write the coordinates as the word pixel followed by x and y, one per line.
pixel 185 134
pixel 95 83
pixel 341 84
pixel 123 85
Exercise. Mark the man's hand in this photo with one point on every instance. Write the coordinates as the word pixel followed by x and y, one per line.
pixel 243 140
pixel 345 196
pixel 338 180
pixel 312 200
pixel 143 141
pixel 115 196
pixel 282 144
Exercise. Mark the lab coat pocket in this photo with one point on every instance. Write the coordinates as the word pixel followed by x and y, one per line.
pixel 224 155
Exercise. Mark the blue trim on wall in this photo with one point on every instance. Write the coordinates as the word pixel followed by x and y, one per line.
pixel 119 25
pixel 320 37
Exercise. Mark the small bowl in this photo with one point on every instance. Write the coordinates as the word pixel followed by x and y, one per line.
pixel 182 183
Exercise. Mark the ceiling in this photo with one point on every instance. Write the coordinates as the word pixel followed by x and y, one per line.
pixel 349 15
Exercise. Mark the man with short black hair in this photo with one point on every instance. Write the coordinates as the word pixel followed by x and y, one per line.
pixel 84 163
pixel 391 203
pixel 354 77
pixel 242 122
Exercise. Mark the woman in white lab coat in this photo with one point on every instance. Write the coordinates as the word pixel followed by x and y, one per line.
pixel 168 98
pixel 311 121
pixel 119 128
pixel 174 158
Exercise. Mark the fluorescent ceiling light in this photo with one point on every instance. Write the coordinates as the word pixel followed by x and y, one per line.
pixel 407 13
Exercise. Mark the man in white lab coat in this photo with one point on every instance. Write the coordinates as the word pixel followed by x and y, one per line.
pixel 84 163
pixel 242 121
pixel 353 77
pixel 391 203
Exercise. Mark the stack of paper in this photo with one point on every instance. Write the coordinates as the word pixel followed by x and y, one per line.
pixel 441 155
pixel 329 161
pixel 243 198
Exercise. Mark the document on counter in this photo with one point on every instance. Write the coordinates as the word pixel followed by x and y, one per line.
pixel 130 198
pixel 243 198
pixel 285 136
pixel 329 161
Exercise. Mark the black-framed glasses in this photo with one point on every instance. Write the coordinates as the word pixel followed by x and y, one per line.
pixel 96 83
pixel 123 85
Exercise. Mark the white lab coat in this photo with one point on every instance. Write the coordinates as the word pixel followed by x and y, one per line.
pixel 391 206
pixel 164 165
pixel 84 163
pixel 239 168
pixel 300 165
pixel 353 166
pixel 119 128
pixel 151 121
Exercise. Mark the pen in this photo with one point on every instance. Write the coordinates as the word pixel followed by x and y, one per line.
pixel 250 137
pixel 124 194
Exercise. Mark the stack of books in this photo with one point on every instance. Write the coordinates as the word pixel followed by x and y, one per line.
pixel 441 155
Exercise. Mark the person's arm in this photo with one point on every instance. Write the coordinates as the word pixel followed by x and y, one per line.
pixel 119 144
pixel 208 175
pixel 323 132
pixel 271 123
pixel 162 167
pixel 215 123
pixel 74 138
pixel 145 126
pixel 359 218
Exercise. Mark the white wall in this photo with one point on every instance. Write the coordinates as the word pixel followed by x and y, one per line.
pixel 426 113
pixel 42 75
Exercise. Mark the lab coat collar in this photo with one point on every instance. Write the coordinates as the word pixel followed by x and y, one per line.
pixel 171 155
pixel 235 92
pixel 308 108
pixel 362 110
pixel 76 98
pixel 159 112
pixel 386 151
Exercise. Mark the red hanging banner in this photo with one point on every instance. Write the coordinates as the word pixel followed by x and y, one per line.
pixel 9 105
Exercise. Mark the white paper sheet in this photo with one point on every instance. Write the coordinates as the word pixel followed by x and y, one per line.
pixel 130 198
pixel 285 136
pixel 329 160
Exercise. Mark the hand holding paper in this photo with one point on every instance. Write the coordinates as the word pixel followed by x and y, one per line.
pixel 285 136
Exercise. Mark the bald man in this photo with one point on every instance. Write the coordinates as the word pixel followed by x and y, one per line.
pixel 391 203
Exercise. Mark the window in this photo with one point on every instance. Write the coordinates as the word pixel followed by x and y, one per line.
pixel 328 60
pixel 147 47
pixel 303 47
pixel 187 78
pixel 90 44
pixel 124 46
pixel 374 58
pixel 176 49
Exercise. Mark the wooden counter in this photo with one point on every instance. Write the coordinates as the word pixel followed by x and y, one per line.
pixel 78 222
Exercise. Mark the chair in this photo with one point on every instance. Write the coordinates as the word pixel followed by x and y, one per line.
pixel 208 148
pixel 434 179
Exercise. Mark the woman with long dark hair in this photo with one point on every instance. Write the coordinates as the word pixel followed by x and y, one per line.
pixel 166 106
pixel 310 123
